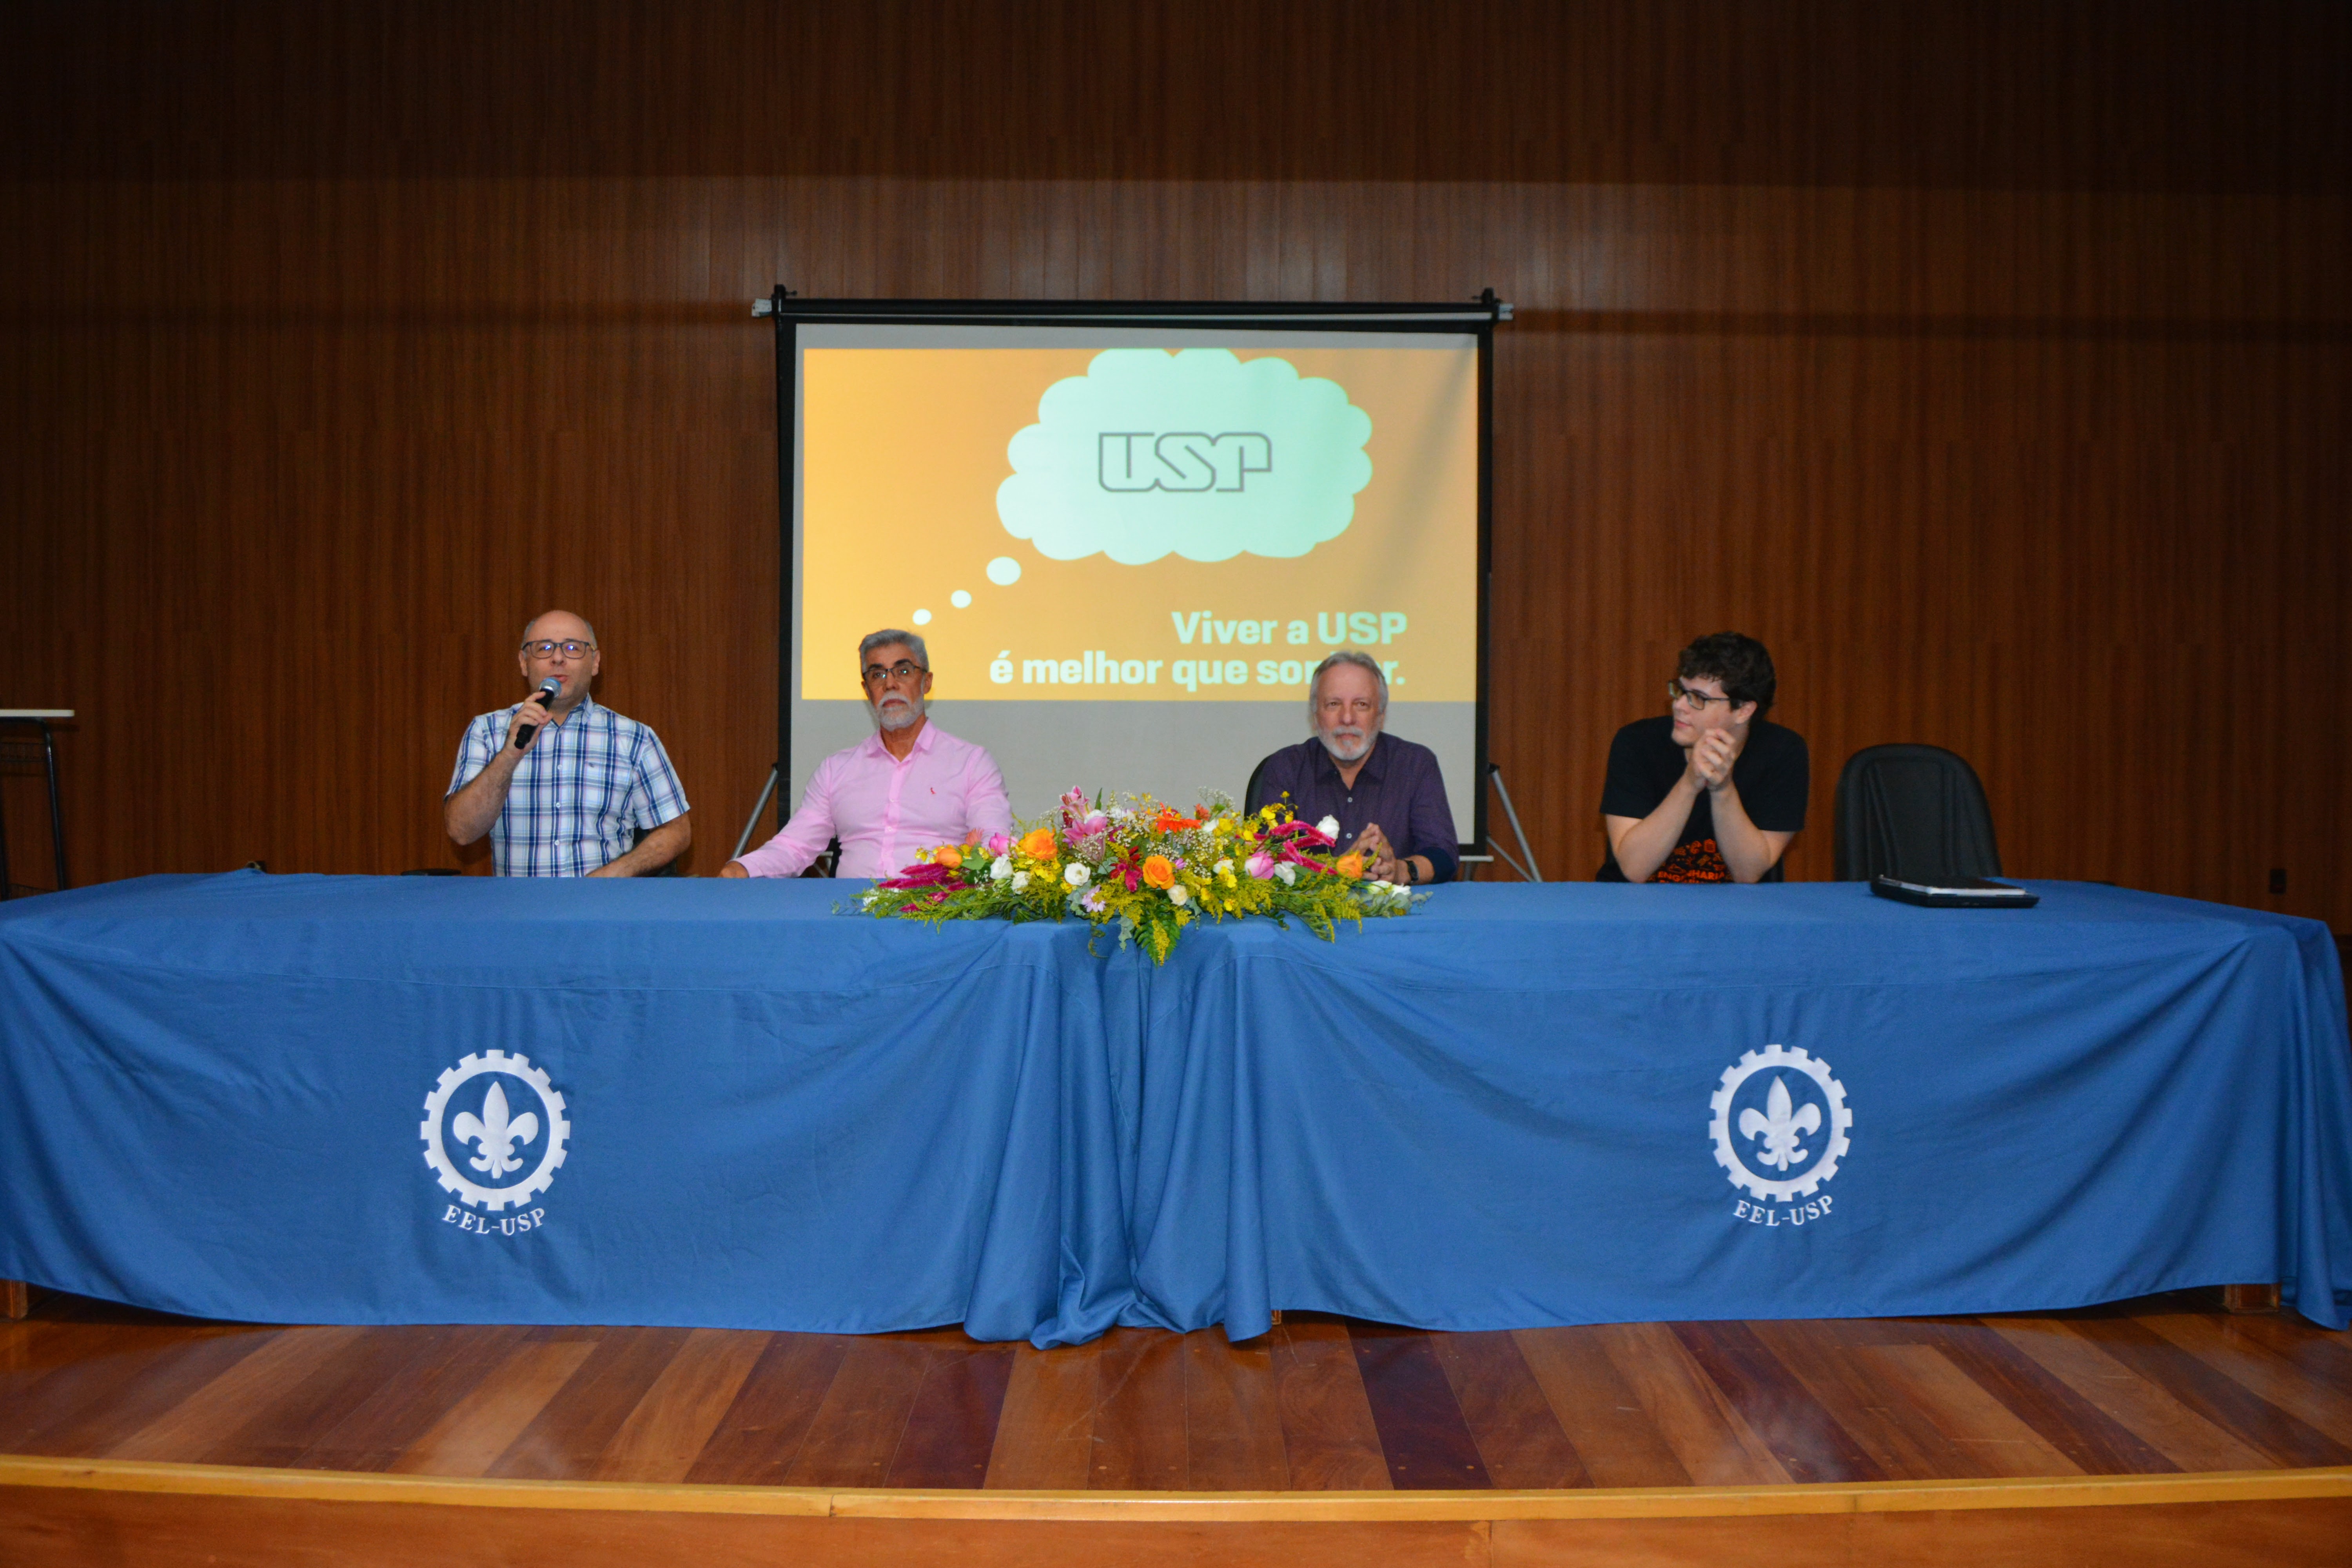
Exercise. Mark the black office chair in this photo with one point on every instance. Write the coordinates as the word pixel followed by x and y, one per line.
pixel 1914 812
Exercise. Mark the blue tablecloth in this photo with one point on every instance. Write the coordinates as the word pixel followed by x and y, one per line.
pixel 1520 1106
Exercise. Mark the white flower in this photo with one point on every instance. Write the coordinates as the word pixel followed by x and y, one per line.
pixel 1329 827
pixel 1177 896
pixel 1020 880
pixel 1076 875
pixel 1000 868
pixel 1224 867
pixel 1288 872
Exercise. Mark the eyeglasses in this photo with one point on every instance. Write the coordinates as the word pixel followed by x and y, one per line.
pixel 905 669
pixel 570 650
pixel 1678 692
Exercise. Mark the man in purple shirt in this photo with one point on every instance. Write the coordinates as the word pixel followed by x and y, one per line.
pixel 1386 793
pixel 908 786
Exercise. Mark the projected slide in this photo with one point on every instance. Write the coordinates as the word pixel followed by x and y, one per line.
pixel 1127 550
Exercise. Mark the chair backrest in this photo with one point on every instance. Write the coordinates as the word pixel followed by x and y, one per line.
pixel 1915 812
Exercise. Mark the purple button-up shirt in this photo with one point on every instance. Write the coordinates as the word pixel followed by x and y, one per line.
pixel 1399 787
pixel 883 809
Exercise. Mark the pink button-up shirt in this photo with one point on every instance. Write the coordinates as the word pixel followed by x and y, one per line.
pixel 883 810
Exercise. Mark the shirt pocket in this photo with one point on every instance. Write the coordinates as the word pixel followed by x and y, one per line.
pixel 604 785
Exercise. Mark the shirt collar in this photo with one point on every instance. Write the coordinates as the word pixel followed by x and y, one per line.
pixel 874 748
pixel 587 703
pixel 1375 761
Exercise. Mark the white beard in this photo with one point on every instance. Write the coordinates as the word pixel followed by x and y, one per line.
pixel 1348 745
pixel 900 718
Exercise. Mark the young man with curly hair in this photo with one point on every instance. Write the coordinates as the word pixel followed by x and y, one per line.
pixel 1709 790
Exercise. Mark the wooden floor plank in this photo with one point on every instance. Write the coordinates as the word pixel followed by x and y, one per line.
pixel 1519 1436
pixel 758 1439
pixel 2074 1425
pixel 1232 1418
pixel 1327 1434
pixel 188 1430
pixel 662 1437
pixel 1422 1427
pixel 2222 1343
pixel 1320 1402
pixel 1046 1428
pixel 1985 1437
pixel 1713 1442
pixel 277 1428
pixel 952 1427
pixel 468 1438
pixel 88 1407
pixel 2281 1437
pixel 1801 1434
pixel 569 1436
pixel 450 1363
pixel 2182 1435
pixel 1602 1417
pixel 1841 1371
pixel 1139 1439
pixel 855 1434
pixel 2319 1353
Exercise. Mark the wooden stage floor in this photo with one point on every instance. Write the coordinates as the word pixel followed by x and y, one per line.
pixel 2165 1386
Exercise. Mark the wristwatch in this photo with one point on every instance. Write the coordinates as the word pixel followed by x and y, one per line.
pixel 1411 875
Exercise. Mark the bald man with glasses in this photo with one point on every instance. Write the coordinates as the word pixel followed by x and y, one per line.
pixel 1710 791
pixel 908 786
pixel 561 785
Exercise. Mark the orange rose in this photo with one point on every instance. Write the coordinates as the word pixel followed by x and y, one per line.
pixel 1158 871
pixel 948 855
pixel 1349 865
pixel 1038 845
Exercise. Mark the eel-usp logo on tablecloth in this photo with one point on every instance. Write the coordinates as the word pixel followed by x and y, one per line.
pixel 1779 1129
pixel 494 1133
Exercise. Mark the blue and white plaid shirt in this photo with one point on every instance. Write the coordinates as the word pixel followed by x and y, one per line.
pixel 579 794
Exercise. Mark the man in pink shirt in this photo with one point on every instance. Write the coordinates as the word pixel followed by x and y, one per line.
pixel 908 786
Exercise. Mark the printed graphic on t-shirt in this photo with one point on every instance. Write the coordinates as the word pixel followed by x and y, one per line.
pixel 1696 862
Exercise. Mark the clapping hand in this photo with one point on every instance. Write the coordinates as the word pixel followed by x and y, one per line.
pixel 1711 758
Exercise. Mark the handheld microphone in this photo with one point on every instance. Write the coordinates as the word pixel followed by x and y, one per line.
pixel 543 696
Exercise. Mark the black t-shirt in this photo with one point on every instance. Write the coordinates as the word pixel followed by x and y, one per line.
pixel 1773 776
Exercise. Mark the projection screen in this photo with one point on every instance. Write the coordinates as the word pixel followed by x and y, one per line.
pixel 1127 534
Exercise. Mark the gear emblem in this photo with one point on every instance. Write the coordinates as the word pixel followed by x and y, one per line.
pixel 1801 1124
pixel 436 1118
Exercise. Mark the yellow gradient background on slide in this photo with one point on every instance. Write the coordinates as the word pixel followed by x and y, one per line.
pixel 904 449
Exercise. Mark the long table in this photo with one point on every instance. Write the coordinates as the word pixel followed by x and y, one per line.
pixel 370 1100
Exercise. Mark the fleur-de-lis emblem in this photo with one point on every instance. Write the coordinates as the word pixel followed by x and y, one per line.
pixel 1779 1124
pixel 496 1135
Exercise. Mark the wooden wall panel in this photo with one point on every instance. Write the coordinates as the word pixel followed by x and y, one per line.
pixel 2173 95
pixel 2055 477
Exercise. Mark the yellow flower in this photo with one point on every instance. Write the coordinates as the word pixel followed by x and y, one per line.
pixel 1158 871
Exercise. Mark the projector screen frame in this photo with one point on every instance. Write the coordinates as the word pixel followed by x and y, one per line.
pixel 788 312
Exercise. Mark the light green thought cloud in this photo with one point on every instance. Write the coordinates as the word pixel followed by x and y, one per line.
pixel 1197 454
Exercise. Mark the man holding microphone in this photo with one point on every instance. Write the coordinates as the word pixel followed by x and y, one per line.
pixel 559 784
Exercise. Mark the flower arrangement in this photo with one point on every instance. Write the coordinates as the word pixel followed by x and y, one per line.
pixel 1146 870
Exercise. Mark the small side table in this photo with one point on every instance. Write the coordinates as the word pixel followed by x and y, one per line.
pixel 40 718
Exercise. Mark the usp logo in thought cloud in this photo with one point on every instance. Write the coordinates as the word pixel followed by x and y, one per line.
pixel 1198 454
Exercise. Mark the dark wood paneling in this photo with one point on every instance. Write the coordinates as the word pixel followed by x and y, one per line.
pixel 2140 94
pixel 2018 426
